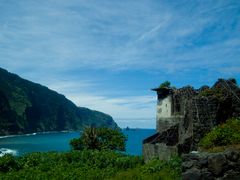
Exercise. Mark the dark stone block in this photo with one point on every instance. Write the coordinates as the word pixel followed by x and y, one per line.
pixel 232 154
pixel 217 163
pixel 192 174
pixel 191 156
pixel 231 175
pixel 203 162
pixel 206 175
pixel 187 165
pixel 191 164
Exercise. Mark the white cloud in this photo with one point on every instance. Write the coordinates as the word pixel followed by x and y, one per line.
pixel 124 107
pixel 163 24
pixel 135 108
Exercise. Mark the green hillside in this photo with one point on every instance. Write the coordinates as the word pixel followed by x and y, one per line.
pixel 27 107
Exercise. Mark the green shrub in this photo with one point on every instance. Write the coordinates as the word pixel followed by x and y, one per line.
pixel 155 169
pixel 99 139
pixel 165 84
pixel 222 135
pixel 8 163
pixel 126 162
pixel 173 166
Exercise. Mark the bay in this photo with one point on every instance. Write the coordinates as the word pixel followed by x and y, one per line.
pixel 59 141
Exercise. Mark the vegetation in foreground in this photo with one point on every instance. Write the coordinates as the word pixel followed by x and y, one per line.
pixel 96 156
pixel 227 134
pixel 86 164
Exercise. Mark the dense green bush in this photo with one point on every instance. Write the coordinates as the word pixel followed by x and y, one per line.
pixel 165 84
pixel 173 166
pixel 222 135
pixel 8 163
pixel 100 139
pixel 155 169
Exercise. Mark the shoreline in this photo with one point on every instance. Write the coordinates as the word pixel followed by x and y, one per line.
pixel 37 133
pixel 64 131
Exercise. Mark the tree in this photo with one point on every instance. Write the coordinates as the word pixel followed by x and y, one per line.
pixel 100 139
pixel 165 84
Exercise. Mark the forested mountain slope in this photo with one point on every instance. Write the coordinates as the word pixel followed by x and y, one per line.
pixel 27 107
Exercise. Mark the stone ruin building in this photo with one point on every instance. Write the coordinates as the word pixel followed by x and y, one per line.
pixel 184 115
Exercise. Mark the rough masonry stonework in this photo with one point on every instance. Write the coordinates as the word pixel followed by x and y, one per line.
pixel 185 115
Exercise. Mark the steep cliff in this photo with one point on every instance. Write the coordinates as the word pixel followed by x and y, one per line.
pixel 194 112
pixel 27 107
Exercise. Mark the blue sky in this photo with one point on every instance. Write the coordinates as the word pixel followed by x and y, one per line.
pixel 108 54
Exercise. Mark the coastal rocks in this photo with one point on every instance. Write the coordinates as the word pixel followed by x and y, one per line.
pixel 224 165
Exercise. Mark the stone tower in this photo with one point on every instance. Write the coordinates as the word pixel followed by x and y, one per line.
pixel 168 112
pixel 163 143
pixel 164 116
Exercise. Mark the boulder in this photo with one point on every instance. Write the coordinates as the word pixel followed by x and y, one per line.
pixel 205 174
pixel 192 174
pixel 191 164
pixel 187 165
pixel 231 175
pixel 232 154
pixel 217 163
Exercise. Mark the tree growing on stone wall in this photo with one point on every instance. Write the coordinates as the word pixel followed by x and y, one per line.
pixel 165 84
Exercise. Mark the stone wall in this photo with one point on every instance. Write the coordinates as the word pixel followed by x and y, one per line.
pixel 166 123
pixel 194 113
pixel 211 166
pixel 158 150
pixel 198 118
pixel 161 145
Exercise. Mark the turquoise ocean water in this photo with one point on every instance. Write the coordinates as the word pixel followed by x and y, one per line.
pixel 59 141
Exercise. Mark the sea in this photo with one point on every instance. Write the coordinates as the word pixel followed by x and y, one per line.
pixel 59 141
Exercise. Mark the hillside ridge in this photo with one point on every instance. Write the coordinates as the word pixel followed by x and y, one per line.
pixel 27 107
